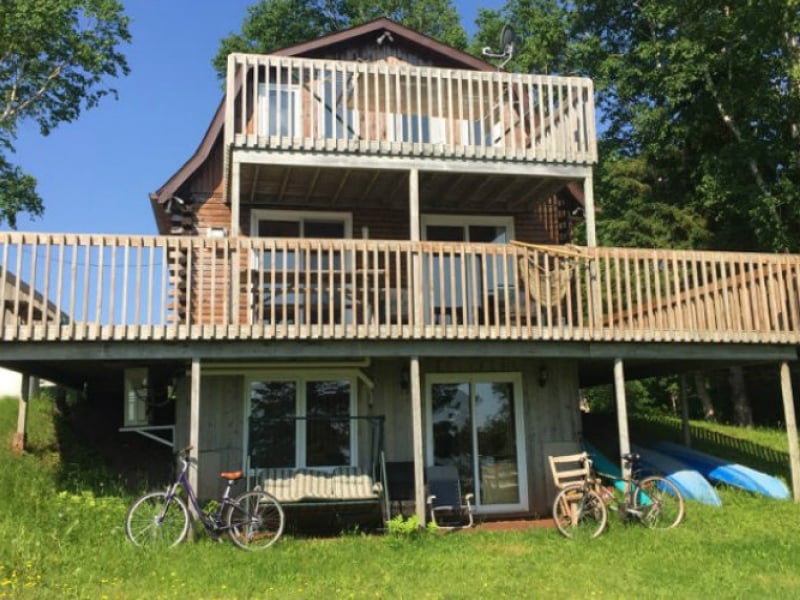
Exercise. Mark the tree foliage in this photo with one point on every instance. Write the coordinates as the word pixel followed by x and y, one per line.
pixel 700 107
pixel 55 56
pixel 273 24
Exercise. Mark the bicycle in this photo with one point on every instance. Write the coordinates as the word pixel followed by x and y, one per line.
pixel 579 511
pixel 654 501
pixel 254 520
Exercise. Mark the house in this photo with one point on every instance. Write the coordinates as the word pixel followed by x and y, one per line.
pixel 366 262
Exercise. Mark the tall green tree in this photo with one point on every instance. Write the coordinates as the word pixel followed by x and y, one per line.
pixel 273 24
pixel 55 59
pixel 707 94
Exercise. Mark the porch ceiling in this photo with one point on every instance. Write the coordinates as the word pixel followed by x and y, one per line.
pixel 304 186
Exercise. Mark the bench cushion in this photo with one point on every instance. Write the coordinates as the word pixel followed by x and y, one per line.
pixel 302 485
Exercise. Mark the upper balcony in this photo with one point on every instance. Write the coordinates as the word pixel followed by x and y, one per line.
pixel 380 109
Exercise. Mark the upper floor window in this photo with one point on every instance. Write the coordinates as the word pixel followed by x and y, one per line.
pixel 278 110
pixel 338 119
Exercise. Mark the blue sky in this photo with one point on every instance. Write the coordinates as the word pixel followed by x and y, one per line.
pixel 95 174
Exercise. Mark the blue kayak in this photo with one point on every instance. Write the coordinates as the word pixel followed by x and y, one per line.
pixel 689 481
pixel 726 472
pixel 604 466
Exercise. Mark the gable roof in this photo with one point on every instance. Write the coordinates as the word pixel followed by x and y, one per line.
pixel 452 56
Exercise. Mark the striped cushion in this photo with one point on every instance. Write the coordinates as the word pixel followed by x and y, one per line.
pixel 296 485
pixel 353 484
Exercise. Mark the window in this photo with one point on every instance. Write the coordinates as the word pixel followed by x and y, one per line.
pixel 335 93
pixel 416 128
pixel 301 421
pixel 290 224
pixel 278 110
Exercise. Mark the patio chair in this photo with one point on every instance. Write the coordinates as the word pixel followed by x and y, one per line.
pixel 447 507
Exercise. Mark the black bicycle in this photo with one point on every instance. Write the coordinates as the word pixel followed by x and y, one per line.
pixel 654 501
pixel 254 520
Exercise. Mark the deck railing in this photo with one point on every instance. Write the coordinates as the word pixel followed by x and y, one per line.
pixel 100 287
pixel 286 103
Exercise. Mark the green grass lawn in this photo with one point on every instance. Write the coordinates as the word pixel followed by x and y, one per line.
pixel 62 533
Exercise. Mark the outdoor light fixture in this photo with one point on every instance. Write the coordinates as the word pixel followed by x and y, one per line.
pixel 542 376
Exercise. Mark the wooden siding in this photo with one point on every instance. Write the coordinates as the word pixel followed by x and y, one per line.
pixel 158 288
pixel 343 106
pixel 550 414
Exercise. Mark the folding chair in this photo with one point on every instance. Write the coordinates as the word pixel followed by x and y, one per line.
pixel 447 508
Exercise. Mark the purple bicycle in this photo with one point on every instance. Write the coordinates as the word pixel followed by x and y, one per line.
pixel 254 520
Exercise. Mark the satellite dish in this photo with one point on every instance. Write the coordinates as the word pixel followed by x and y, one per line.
pixel 507 39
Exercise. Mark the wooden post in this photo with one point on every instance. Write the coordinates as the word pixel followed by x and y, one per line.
pixel 194 423
pixel 684 392
pixel 622 414
pixel 791 429
pixel 414 378
pixel 588 210
pixel 21 435
pixel 591 242
pixel 235 191
pixel 416 426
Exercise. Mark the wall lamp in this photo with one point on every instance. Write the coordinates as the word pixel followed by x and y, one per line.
pixel 543 374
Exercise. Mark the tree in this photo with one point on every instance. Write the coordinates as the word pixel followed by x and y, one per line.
pixel 55 56
pixel 273 24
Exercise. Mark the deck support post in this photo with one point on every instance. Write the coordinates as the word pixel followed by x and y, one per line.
pixel 235 191
pixel 791 429
pixel 416 426
pixel 21 435
pixel 684 396
pixel 622 415
pixel 414 376
pixel 194 422
pixel 588 210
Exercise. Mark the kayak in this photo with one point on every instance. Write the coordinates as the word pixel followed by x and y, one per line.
pixel 689 481
pixel 726 472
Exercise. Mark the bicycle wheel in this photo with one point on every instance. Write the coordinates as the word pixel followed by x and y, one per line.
pixel 151 522
pixel 579 513
pixel 255 521
pixel 659 503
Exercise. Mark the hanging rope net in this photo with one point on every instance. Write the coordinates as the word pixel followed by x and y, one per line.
pixel 547 272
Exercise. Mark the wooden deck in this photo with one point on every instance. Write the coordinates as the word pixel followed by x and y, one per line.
pixel 103 288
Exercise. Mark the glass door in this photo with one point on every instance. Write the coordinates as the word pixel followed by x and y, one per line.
pixel 459 282
pixel 475 424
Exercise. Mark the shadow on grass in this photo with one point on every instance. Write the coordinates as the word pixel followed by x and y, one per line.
pixel 97 457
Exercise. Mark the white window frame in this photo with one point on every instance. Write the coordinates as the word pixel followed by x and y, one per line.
pixel 293 92
pixel 465 221
pixel 262 214
pixel 515 379
pixel 300 378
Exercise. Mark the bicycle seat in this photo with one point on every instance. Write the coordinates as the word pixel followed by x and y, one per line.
pixel 631 457
pixel 232 475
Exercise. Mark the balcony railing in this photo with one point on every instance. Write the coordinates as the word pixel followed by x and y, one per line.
pixel 285 103
pixel 98 287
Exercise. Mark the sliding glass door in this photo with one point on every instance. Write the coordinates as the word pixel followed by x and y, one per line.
pixel 475 423
pixel 459 282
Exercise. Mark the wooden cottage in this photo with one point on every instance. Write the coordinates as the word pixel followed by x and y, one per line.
pixel 365 265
